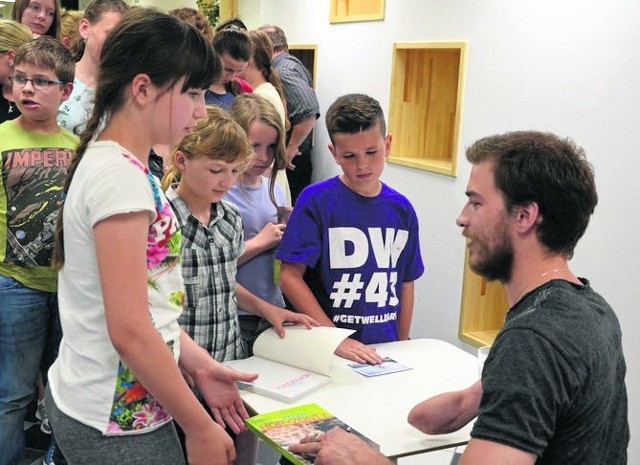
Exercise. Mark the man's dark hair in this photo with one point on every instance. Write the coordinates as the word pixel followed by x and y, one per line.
pixel 532 166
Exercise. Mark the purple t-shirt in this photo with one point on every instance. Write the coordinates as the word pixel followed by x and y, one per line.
pixel 358 252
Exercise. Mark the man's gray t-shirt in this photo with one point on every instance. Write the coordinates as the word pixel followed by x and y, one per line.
pixel 553 383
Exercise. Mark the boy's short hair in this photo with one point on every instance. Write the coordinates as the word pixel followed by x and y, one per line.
pixel 47 52
pixel 354 113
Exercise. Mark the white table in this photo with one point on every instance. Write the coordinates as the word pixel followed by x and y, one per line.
pixel 378 406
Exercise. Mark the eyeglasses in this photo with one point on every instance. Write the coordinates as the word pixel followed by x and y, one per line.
pixel 37 9
pixel 38 83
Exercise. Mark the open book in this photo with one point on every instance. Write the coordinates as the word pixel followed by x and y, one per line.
pixel 282 428
pixel 292 367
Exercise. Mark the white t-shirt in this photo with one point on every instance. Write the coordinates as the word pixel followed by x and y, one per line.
pixel 269 92
pixel 74 112
pixel 88 380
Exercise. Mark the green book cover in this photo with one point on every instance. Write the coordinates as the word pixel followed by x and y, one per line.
pixel 282 428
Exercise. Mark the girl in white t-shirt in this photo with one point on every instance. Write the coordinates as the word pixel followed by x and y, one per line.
pixel 117 382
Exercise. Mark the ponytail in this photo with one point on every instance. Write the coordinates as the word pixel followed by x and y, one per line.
pixel 57 259
pixel 172 176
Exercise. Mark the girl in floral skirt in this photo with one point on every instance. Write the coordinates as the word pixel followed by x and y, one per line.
pixel 119 379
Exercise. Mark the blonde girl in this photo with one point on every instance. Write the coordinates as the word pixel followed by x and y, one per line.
pixel 258 199
pixel 266 82
pixel 12 36
pixel 117 382
pixel 69 34
pixel 206 165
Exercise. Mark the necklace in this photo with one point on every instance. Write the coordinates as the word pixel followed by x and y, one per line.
pixel 523 291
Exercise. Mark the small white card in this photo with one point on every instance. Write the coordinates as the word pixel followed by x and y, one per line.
pixel 388 365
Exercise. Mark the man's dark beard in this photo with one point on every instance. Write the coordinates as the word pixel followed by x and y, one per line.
pixel 498 265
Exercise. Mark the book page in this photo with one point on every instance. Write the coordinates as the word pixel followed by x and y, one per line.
pixel 277 380
pixel 309 349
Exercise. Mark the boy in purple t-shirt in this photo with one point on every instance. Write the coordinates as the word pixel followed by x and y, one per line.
pixel 351 251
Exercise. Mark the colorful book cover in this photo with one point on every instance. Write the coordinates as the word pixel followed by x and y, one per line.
pixel 282 428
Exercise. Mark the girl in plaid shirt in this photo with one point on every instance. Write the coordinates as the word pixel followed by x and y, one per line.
pixel 206 164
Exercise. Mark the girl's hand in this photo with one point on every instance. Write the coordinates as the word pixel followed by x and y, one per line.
pixel 358 352
pixel 217 385
pixel 270 236
pixel 279 316
pixel 210 445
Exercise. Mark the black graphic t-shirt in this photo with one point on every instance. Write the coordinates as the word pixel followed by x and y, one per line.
pixel 33 170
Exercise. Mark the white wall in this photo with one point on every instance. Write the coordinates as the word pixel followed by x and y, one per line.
pixel 570 67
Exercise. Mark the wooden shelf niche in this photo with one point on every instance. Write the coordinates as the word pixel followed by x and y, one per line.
pixel 308 55
pixel 426 104
pixel 483 308
pixel 343 11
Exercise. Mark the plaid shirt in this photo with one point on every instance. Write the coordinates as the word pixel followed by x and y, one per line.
pixel 297 84
pixel 209 263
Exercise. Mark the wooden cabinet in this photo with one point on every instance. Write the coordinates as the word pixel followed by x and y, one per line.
pixel 308 55
pixel 425 105
pixel 342 11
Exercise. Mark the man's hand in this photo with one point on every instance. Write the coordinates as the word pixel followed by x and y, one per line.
pixel 338 447
pixel 292 152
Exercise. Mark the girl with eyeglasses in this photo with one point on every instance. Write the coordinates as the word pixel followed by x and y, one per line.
pixel 42 17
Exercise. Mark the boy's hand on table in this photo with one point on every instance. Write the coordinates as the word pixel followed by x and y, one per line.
pixel 358 352
pixel 282 316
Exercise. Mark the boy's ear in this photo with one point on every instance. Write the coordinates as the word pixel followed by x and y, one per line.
pixel 332 149
pixel 67 88
pixel 387 145
pixel 83 28
pixel 142 89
